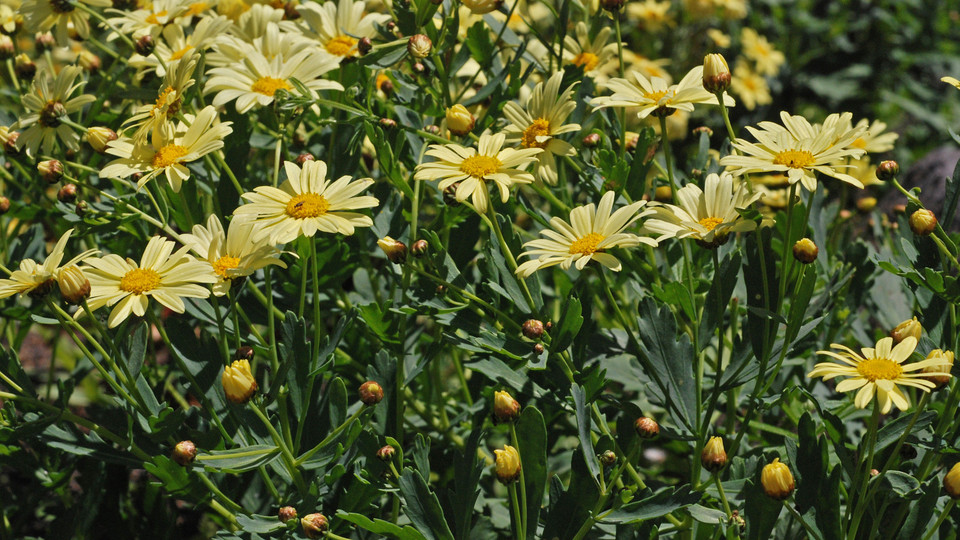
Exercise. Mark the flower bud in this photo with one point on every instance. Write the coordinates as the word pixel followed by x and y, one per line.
pixel 388 123
pixel 305 157
pixel 538 348
pixel 505 408
pixel 386 453
pixel 646 428
pixel 371 393
pixel 419 248
pixel 7 49
pixel 89 61
pixel 9 140
pixel 98 137
pixel 508 464
pixel 866 204
pixel 81 208
pixel 419 46
pixel 923 222
pixel 245 352
pixel 314 525
pixel 419 68
pixel 67 193
pixel 612 6
pixel 25 67
pixel 908 328
pixel 184 453
pixel 4 205
pixel 888 170
pixel 287 513
pixel 290 12
pixel 238 382
pixel 805 251
pixel 480 7
pixel 703 129
pixel 395 250
pixel 663 194
pixel 608 458
pixel 74 285
pixel 716 74
pixel 777 480
pixel 459 120
pixel 951 482
pixel 944 367
pixel 145 45
pixel 532 329
pixel 50 170
pixel 364 46
pixel 591 140
pixel 714 457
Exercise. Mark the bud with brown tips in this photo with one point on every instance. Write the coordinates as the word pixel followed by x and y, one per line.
pixel 908 328
pixel 538 348
pixel 371 393
pixel 395 250
pixel 923 222
pixel 459 120
pixel 305 157
pixel 287 513
pixel 50 170
pixel 184 453
pixel 364 46
pixel 591 140
pixel 419 46
pixel 508 464
pixel 99 137
pixel 888 170
pixel 777 480
pixel 532 329
pixel 613 6
pixel 7 48
pixel 74 285
pixel 646 428
pixel 25 67
pixel 608 458
pixel 805 251
pixel 145 45
pixel 714 456
pixel 314 525
pixel 386 453
pixel 245 352
pixel 505 408
pixel 89 61
pixel 4 205
pixel 716 74
pixel 419 248
pixel 67 193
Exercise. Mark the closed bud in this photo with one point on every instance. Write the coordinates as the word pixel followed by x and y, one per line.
pixel 395 250
pixel 777 480
pixel 145 45
pixel 505 408
pixel 608 458
pixel 866 204
pixel 591 140
pixel 25 67
pixel 7 49
pixel 244 353
pixel 388 123
pixel 9 139
pixel 508 464
pixel 50 170
pixel 538 348
pixel 89 61
pixel 99 137
pixel 314 525
pixel 386 453
pixel 67 193
pixel 716 74
pixel 290 12
pixel 184 453
pixel 532 329
pixel 714 456
pixel 612 6
pixel 646 428
pixel 305 157
pixel 238 382
pixel 923 222
pixel 81 208
pixel 419 68
pixel 364 46
pixel 287 513
pixel 419 248
pixel 459 120
pixel 888 170
pixel 371 393
pixel 805 251
pixel 432 129
pixel 703 129
pixel 941 370
pixel 663 194
pixel 4 205
pixel 74 285
pixel 908 328
pixel 419 46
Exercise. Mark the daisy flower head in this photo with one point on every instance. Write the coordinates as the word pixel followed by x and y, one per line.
pixel 651 14
pixel 798 149
pixel 37 279
pixel 758 49
pixel 47 104
pixel 168 153
pixel 591 232
pixel 873 140
pixel 340 26
pixel 155 120
pixel 149 20
pixel 58 15
pixel 591 55
pixel 750 87
pixel 655 97
pixel 307 202
pixel 879 371
pixel 538 125
pixel 162 274
pixel 474 167
pixel 233 253
pixel 175 46
pixel 708 215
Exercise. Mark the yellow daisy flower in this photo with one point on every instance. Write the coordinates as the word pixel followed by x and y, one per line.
pixel 307 202
pixel 58 15
pixel 155 120
pixel 878 371
pixel 538 126
pixel 474 167
pixel 163 275
pixel 652 15
pixel 654 96
pixel 339 27
pixel 594 55
pixel 587 237
pixel 175 45
pixel 150 20
pixel 37 279
pixel 47 104
pixel 750 87
pixel 758 49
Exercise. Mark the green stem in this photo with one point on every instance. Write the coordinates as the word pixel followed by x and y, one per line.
pixel 861 505
pixel 813 533
pixel 285 453
pixel 667 155
pixel 523 485
pixel 333 434
pixel 723 495
pixel 943 516
pixel 517 520
pixel 508 255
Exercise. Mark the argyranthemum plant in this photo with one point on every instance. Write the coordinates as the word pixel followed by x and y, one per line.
pixel 595 55
pixel 474 167
pixel 37 279
pixel 592 231
pixel 48 105
pixel 707 215
pixel 540 121
pixel 306 203
pixel 654 97
pixel 162 274
pixel 338 27
pixel 156 119
pixel 879 371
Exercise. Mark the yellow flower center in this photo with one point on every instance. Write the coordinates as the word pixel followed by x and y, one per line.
pixel 587 245
pixel 588 61
pixel 655 96
pixel 168 155
pixel 307 205
pixel 795 159
pixel 153 18
pixel 179 54
pixel 340 46
pixel 539 127
pixel 221 265
pixel 859 143
pixel 268 86
pixel 480 166
pixel 874 369
pixel 171 106
pixel 197 8
pixel 139 281
pixel 710 223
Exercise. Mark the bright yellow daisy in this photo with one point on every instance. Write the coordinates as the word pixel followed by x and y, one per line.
pixel 338 27
pixel 654 96
pixel 37 279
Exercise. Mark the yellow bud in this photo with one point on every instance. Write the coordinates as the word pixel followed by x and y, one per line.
pixel 505 408
pixel 716 73
pixel 777 480
pixel 459 120
pixel 714 456
pixel 923 222
pixel 419 46
pixel 314 525
pixel 395 250
pixel 238 382
pixel 946 359
pixel 805 251
pixel 99 137
pixel 951 482
pixel 908 328
pixel 508 464
pixel 74 285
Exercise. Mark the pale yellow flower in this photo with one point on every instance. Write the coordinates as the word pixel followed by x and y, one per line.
pixel 651 14
pixel 758 49
pixel 37 279
pixel 750 87
pixel 654 96
pixel 595 55
pixel 339 27
pixel 47 105
pixel 57 15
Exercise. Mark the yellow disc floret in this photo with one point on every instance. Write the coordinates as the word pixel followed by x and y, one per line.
pixel 539 128
pixel 587 245
pixel 268 86
pixel 795 159
pixel 225 263
pixel 710 223
pixel 139 281
pixel 168 155
pixel 874 369
pixel 341 46
pixel 307 205
pixel 480 166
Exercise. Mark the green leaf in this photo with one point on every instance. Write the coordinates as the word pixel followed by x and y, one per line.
pixel 379 322
pixel 381 527
pixel 809 463
pixel 724 281
pixel 532 431
pixel 294 353
pixel 571 319
pixel 902 484
pixel 175 478
pixel 135 349
pixel 583 431
pixel 921 511
pixel 464 496
pixel 891 432
pixel 710 516
pixel 828 505
pixel 423 507
pixel 761 512
pixel 660 504
pixel 478 40
pixel 259 524
pixel 238 459
pixel 669 361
